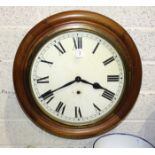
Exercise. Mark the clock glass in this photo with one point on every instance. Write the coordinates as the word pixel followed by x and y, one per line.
pixel 77 77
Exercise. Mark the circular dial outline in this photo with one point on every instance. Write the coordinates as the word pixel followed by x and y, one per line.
pixel 101 114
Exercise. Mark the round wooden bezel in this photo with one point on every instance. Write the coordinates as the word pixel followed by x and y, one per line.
pixel 67 21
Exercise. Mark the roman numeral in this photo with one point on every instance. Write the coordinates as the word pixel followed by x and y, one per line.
pixel 48 62
pixel 60 108
pixel 96 47
pixel 113 78
pixel 78 112
pixel 50 99
pixel 43 80
pixel 60 48
pixel 77 42
pixel 106 62
pixel 96 107
pixel 108 94
pixel 47 95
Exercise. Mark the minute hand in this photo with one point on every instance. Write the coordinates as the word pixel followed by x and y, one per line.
pixel 95 84
pixel 65 85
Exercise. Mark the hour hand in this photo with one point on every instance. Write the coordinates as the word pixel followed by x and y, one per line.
pixel 79 79
pixel 95 84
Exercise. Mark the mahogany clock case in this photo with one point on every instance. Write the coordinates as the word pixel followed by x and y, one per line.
pixel 70 21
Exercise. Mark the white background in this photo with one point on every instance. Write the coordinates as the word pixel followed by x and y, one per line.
pixel 143 32
pixel 77 2
pixel 16 130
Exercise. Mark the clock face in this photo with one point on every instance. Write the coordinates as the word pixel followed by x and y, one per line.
pixel 77 77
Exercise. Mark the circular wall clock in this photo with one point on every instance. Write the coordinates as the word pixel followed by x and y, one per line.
pixel 77 74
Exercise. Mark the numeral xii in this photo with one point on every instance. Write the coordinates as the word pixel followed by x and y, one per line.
pixel 77 42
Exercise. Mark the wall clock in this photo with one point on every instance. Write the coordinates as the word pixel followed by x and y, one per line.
pixel 77 74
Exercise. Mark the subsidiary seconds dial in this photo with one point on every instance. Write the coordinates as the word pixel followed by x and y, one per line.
pixel 77 77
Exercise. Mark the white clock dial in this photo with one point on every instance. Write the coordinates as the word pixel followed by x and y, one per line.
pixel 77 77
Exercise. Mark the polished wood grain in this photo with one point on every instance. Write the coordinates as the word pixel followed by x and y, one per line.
pixel 68 21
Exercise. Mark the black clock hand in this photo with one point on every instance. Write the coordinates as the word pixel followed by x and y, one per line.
pixel 78 79
pixel 98 86
pixel 95 85
pixel 67 84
